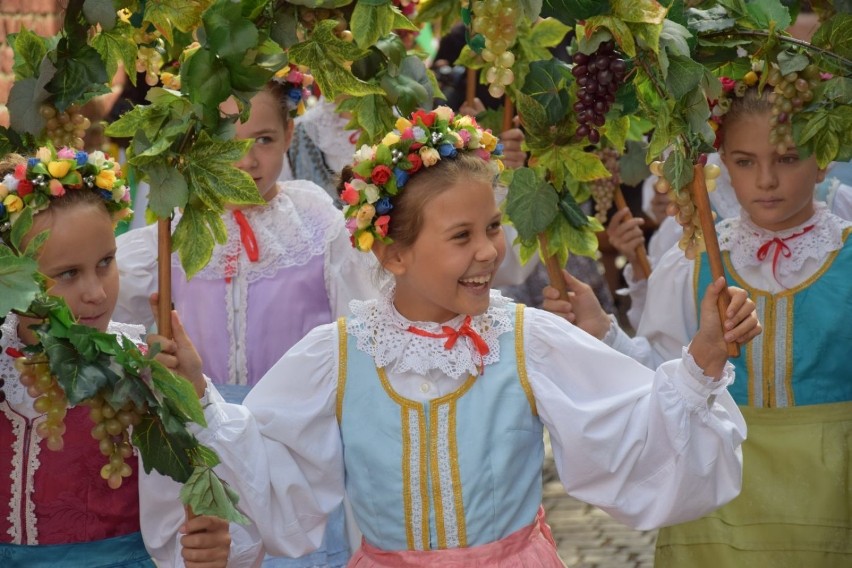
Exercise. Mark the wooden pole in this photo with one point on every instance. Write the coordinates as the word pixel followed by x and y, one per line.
pixel 508 113
pixel 554 269
pixel 470 87
pixel 714 255
pixel 643 270
pixel 164 277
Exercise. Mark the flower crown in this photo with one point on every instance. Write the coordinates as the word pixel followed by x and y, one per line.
pixel 298 83
pixel 51 174
pixel 731 88
pixel 381 171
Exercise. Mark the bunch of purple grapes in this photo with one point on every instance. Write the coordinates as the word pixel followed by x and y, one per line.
pixel 598 77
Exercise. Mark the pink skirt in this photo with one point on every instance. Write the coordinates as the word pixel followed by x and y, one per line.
pixel 530 547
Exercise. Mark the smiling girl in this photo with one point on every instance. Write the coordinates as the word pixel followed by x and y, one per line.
pixel 427 407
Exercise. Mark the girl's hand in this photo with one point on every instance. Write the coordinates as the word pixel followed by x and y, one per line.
pixel 582 307
pixel 179 354
pixel 625 233
pixel 708 347
pixel 513 155
pixel 206 542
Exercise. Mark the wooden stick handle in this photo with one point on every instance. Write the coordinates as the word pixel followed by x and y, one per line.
pixel 714 255
pixel 164 277
pixel 470 86
pixel 643 270
pixel 508 113
pixel 554 269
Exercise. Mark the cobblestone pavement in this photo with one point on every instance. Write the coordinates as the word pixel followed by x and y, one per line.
pixel 589 538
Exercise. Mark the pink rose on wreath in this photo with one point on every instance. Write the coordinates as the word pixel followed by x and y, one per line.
pixel 382 225
pixel 21 171
pixel 381 174
pixel 350 194
pixel 25 187
pixel 428 118
pixel 416 163
pixel 56 188
pixel 728 84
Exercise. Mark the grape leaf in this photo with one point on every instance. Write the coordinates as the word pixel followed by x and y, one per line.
pixel 835 35
pixel 18 287
pixel 168 189
pixel 370 21
pixel 100 12
pixel 209 495
pixel 531 204
pixel 114 46
pixel 768 14
pixel 29 50
pixel 639 11
pixel 684 74
pixel 166 15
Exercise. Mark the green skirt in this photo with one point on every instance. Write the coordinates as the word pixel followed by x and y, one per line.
pixel 795 509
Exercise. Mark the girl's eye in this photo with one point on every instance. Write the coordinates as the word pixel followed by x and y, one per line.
pixel 67 275
pixel 494 226
pixel 743 163
pixel 461 235
pixel 263 140
pixel 789 159
pixel 106 261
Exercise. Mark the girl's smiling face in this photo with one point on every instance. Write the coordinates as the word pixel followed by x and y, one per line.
pixel 448 269
pixel 776 190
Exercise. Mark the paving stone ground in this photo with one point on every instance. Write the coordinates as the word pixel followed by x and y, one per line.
pixel 586 536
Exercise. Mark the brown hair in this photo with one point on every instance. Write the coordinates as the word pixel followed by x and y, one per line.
pixel 752 102
pixel 281 92
pixel 407 213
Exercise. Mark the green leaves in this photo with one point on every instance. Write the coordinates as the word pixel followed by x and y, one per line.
pixel 209 495
pixel 768 15
pixel 80 75
pixel 547 84
pixel 29 49
pixel 836 35
pixel 209 168
pixel 684 74
pixel 531 204
pixel 116 46
pixel 17 281
pixel 171 191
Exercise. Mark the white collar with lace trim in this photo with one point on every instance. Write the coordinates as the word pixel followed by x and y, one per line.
pixel 295 226
pixel 742 237
pixel 381 332
pixel 16 393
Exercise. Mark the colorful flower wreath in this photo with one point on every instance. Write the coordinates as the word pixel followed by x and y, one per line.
pixel 298 82
pixel 51 174
pixel 730 88
pixel 380 171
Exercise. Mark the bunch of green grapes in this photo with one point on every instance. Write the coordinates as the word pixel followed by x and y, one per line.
pixel 496 21
pixel 112 433
pixel 49 398
pixel 603 189
pixel 682 208
pixel 790 93
pixel 66 128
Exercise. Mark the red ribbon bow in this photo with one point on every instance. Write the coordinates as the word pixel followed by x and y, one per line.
pixel 453 335
pixel 249 243
pixel 781 248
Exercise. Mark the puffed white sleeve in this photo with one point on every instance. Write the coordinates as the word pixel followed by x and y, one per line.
pixel 136 257
pixel 350 274
pixel 651 448
pixel 282 450
pixel 670 317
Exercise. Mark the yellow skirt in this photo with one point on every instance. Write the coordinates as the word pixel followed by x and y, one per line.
pixel 795 509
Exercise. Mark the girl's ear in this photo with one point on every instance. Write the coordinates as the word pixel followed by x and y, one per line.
pixel 289 128
pixel 390 257
pixel 821 175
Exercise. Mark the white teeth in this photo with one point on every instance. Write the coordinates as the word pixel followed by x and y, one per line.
pixel 477 280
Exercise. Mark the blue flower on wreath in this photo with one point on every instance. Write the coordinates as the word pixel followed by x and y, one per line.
pixel 401 177
pixel 384 205
pixel 498 150
pixel 33 162
pixel 447 151
pixel 295 95
pixel 82 158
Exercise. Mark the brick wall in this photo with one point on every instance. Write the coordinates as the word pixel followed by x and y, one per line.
pixel 40 16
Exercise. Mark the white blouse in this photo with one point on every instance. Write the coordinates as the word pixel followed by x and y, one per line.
pixel 650 448
pixel 299 223
pixel 670 318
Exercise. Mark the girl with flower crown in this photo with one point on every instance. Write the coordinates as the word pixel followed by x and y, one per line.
pixel 55 508
pixel 794 385
pixel 427 406
pixel 287 267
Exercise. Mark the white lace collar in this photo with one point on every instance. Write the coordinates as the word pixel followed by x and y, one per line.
pixel 381 333
pixel 743 238
pixel 16 393
pixel 294 227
